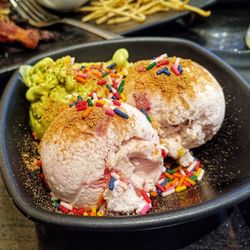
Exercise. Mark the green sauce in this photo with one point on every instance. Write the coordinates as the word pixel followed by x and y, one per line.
pixel 52 85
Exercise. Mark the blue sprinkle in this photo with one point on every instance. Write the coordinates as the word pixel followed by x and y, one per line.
pixel 164 183
pixel 144 111
pixel 82 67
pixel 120 113
pixel 112 65
pixel 114 97
pixel 166 72
pixel 111 183
pixel 180 69
pixel 109 88
pixel 160 71
pixel 158 191
pixel 57 205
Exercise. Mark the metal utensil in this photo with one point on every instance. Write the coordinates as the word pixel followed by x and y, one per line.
pixel 37 16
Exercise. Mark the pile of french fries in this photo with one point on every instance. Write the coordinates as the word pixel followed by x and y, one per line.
pixel 120 11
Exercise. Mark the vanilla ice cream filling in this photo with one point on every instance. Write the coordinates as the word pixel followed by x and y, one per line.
pixel 138 161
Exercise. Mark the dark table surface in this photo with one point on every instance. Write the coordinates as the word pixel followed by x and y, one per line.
pixel 223 33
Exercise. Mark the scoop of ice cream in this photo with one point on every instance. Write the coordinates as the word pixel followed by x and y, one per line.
pixel 186 109
pixel 80 156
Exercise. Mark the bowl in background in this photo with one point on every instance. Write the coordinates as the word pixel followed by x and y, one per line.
pixel 62 6
pixel 226 157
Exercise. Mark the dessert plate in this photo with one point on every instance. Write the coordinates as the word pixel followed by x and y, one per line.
pixel 225 158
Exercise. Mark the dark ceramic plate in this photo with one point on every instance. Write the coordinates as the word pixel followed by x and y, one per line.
pixel 226 157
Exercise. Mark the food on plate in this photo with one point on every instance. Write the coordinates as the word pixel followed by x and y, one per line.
pixel 184 101
pixel 29 38
pixel 114 135
pixel 85 149
pixel 119 11
pixel 54 84
pixel 10 32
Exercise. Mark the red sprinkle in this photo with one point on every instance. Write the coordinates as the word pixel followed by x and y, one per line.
pixel 115 85
pixel 187 184
pixel 145 196
pixel 163 153
pixel 116 103
pixel 78 211
pixel 175 70
pixel 117 95
pixel 81 211
pixel 189 174
pixel 39 163
pixel 82 102
pixel 102 82
pixel 161 63
pixel 99 104
pixel 110 112
pixel 81 107
pixel 160 187
pixel 74 211
pixel 63 209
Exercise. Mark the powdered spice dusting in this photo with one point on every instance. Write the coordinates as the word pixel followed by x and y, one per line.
pixel 172 86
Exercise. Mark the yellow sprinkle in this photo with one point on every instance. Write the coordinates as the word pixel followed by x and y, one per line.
pixel 198 172
pixel 93 209
pixel 73 99
pixel 180 188
pixel 123 96
pixel 99 213
pixel 101 101
pixel 85 214
pixel 180 152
